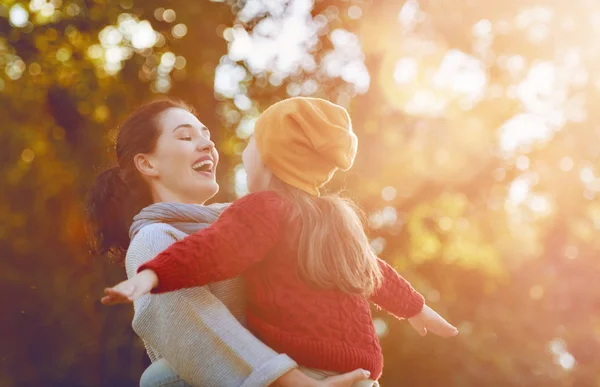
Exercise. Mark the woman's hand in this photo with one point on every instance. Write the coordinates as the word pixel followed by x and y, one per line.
pixel 344 380
pixel 132 289
pixel 296 378
pixel 429 320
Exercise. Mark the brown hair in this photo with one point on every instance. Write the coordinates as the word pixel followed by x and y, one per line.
pixel 334 251
pixel 119 193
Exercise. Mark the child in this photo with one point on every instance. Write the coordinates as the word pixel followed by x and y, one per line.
pixel 305 258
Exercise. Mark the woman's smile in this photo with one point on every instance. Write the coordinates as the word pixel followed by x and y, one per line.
pixel 204 166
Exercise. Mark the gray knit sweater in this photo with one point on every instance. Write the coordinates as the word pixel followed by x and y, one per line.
pixel 199 330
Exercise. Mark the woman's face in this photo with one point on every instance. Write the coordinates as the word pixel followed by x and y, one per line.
pixel 183 164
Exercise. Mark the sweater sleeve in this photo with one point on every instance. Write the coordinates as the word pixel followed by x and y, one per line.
pixel 197 335
pixel 396 295
pixel 242 236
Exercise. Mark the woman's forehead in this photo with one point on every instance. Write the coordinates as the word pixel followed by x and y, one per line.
pixel 172 117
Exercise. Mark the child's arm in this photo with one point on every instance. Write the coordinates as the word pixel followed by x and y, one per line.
pixel 241 237
pixel 397 296
pixel 194 331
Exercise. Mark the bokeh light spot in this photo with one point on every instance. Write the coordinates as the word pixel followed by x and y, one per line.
pixel 179 31
pixel 18 16
pixel 566 164
pixel 388 194
pixel 169 16
pixel 354 12
pixel 381 327
pixel 27 155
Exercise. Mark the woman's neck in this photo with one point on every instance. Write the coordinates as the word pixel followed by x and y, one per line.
pixel 162 195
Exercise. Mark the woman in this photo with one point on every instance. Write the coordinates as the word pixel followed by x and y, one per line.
pixel 167 163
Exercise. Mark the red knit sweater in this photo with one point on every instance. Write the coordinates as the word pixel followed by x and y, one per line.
pixel 325 329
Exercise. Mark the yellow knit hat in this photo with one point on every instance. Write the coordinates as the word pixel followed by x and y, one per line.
pixel 303 141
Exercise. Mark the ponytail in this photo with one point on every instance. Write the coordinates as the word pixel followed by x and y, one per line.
pixel 110 213
pixel 334 251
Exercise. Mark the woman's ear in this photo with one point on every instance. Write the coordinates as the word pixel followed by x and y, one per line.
pixel 144 164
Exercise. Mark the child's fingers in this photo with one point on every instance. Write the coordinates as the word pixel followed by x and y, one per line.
pixel 114 296
pixel 110 300
pixel 444 329
pixel 125 289
pixel 419 327
pixel 135 295
pixel 448 327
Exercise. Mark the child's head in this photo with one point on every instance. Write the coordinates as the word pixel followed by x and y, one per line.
pixel 301 141
pixel 298 145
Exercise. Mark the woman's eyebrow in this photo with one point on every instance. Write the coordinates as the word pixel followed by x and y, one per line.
pixel 202 127
pixel 183 126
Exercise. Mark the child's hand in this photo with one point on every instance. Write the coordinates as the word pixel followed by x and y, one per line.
pixel 429 320
pixel 132 289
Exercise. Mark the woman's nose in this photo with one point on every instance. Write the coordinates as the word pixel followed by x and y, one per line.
pixel 205 145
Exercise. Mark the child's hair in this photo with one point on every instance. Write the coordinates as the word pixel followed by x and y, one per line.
pixel 120 192
pixel 334 250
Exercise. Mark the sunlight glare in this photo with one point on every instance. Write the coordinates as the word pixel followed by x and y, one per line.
pixel 523 130
pixel 18 16
pixel 518 191
pixel 240 183
pixel 586 174
pixel 462 74
pixel 143 35
pixel 227 79
pixel 405 70
pixel 408 13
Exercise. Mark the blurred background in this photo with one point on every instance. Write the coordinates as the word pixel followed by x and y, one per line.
pixel 478 166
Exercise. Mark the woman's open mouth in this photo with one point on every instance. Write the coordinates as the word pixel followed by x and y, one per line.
pixel 205 167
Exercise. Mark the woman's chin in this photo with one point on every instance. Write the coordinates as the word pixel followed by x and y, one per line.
pixel 206 191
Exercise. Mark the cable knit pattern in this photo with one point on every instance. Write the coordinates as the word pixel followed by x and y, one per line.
pixel 325 329
pixel 397 296
pixel 194 330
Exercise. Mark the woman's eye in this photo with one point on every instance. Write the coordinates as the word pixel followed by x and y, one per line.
pixel 186 138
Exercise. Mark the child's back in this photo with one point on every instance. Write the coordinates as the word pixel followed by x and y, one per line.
pixel 319 328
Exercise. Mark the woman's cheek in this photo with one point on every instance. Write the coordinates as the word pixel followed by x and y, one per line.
pixel 215 157
pixel 185 148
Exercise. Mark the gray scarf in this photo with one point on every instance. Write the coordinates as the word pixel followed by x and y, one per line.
pixel 188 218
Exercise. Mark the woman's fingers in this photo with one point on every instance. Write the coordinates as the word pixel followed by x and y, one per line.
pixel 346 380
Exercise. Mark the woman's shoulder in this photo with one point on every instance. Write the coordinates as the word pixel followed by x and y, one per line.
pixel 151 240
pixel 154 230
